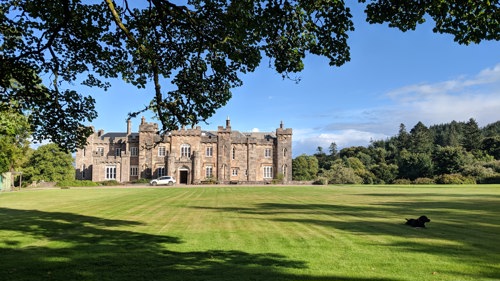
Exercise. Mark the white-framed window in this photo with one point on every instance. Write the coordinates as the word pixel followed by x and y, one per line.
pixel 134 151
pixel 268 172
pixel 162 151
pixel 118 151
pixel 267 153
pixel 134 171
pixel 208 171
pixel 100 151
pixel 234 153
pixel 235 172
pixel 185 150
pixel 209 151
pixel 110 172
pixel 160 171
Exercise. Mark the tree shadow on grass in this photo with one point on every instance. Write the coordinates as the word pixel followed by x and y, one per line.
pixel 36 245
pixel 422 195
pixel 273 209
pixel 465 228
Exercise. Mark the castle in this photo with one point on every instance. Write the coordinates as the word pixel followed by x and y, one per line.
pixel 191 156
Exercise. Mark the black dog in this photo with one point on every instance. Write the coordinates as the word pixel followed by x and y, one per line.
pixel 420 222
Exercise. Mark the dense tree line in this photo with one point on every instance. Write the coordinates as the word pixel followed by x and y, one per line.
pixel 456 152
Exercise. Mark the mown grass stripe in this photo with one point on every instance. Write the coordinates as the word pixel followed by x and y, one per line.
pixel 250 233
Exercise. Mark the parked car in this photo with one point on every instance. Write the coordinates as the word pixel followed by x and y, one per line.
pixel 168 180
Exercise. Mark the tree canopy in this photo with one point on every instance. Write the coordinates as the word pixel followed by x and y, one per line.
pixel 199 47
pixel 14 134
pixel 305 167
pixel 49 163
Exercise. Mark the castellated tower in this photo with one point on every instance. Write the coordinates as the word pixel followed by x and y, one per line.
pixel 283 153
pixel 148 159
pixel 224 148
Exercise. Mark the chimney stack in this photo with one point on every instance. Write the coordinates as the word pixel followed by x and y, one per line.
pixel 129 126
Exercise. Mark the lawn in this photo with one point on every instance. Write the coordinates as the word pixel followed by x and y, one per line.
pixel 250 233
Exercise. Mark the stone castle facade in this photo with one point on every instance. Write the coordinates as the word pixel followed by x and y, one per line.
pixel 191 156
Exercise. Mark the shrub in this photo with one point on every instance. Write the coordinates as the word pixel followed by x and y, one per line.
pixel 402 181
pixel 109 183
pixel 455 179
pixel 210 180
pixel 424 181
pixel 68 183
pixel 339 174
pixel 490 180
pixel 141 181
pixel 379 181
pixel 478 171
pixel 367 176
pixel 320 181
pixel 279 179
pixel 494 165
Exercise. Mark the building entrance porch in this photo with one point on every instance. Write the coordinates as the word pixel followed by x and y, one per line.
pixel 183 176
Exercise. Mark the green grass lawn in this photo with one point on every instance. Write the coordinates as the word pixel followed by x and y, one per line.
pixel 250 233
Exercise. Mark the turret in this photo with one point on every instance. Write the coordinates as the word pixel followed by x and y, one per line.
pixel 284 152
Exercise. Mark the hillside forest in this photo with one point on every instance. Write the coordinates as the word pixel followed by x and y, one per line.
pixel 452 153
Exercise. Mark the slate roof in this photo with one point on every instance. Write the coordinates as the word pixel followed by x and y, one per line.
pixel 115 135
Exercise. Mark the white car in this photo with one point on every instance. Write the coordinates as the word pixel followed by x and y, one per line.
pixel 168 180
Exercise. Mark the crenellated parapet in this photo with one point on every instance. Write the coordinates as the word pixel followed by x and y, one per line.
pixel 193 132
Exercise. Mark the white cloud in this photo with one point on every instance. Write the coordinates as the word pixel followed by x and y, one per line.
pixel 307 141
pixel 460 99
pixel 477 97
pixel 459 86
pixel 255 130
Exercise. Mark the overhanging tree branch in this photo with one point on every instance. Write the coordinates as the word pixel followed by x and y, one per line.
pixel 201 49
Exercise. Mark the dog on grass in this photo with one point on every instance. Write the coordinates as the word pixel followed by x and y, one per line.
pixel 420 222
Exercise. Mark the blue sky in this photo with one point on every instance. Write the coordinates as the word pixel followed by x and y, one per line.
pixel 392 78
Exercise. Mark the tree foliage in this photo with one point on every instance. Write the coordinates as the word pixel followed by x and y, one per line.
pixel 420 139
pixel 339 173
pixel 414 165
pixel 439 154
pixel 491 145
pixel 49 163
pixel 200 48
pixel 468 21
pixel 491 130
pixel 384 173
pixel 14 144
pixel 450 160
pixel 472 133
pixel 305 168
pixel 188 56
